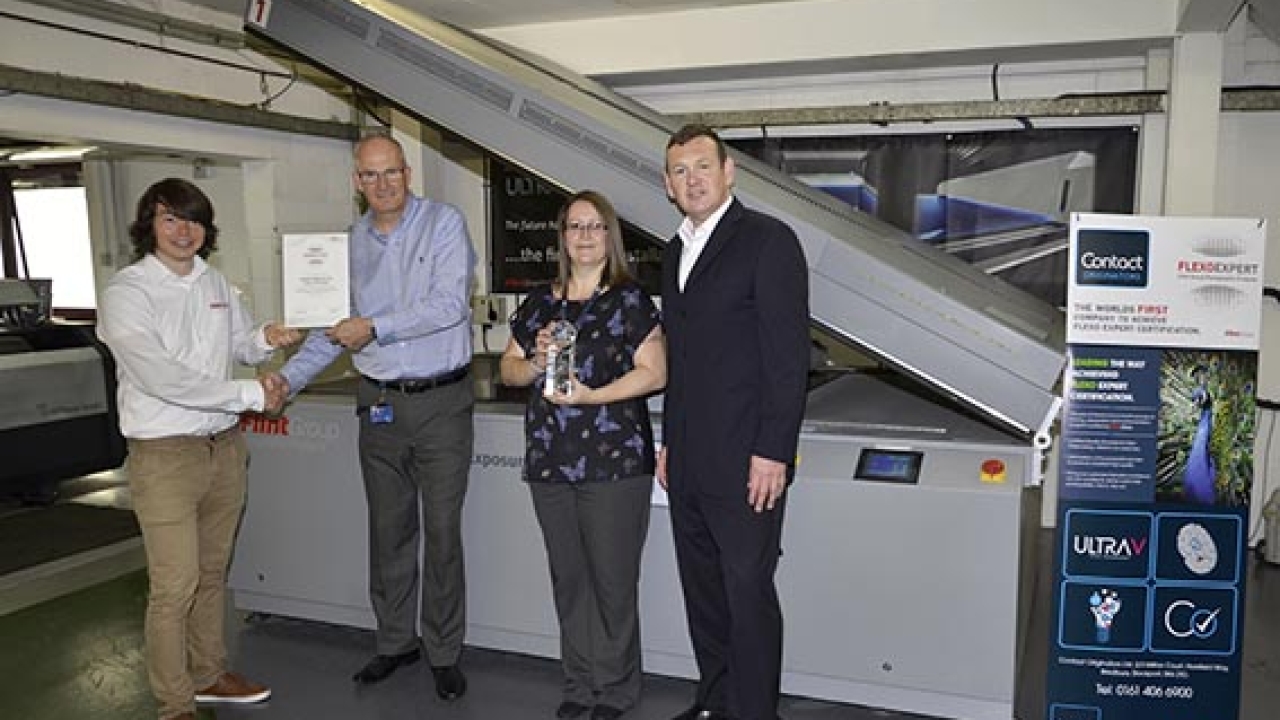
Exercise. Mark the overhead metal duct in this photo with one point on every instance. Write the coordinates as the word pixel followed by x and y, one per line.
pixel 995 348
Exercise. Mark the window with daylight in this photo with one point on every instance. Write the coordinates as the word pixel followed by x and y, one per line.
pixel 46 232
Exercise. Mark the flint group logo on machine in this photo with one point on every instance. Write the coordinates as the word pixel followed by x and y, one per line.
pixel 289 427
pixel 1113 258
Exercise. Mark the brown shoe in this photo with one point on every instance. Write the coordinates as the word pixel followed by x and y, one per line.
pixel 233 688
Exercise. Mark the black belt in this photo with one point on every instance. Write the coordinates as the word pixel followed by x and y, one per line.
pixel 409 386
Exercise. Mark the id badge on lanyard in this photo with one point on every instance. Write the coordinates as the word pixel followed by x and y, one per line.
pixel 381 412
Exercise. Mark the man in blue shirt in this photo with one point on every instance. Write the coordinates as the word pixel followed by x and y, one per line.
pixel 410 338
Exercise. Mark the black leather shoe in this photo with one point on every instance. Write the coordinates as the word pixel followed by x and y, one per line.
pixel 451 684
pixel 381 666
pixel 570 709
pixel 606 712
pixel 700 713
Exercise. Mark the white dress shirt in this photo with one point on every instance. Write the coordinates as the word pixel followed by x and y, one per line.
pixel 694 240
pixel 173 339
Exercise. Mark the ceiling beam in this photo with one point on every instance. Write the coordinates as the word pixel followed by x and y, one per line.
pixel 884 113
pixel 143 99
pixel 1100 105
pixel 1207 15
pixel 1265 14
pixel 158 23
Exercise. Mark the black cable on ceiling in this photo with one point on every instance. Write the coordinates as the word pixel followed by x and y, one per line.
pixel 266 104
pixel 145 46
pixel 995 95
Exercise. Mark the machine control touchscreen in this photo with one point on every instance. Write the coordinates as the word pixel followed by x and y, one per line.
pixel 896 466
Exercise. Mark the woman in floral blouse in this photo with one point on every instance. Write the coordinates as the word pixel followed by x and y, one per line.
pixel 589 456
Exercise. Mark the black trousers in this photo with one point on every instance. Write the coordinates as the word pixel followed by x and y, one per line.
pixel 727 555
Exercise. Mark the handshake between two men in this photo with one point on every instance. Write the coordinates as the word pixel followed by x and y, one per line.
pixel 351 333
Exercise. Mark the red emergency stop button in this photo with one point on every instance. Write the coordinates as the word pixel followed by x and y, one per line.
pixel 993 471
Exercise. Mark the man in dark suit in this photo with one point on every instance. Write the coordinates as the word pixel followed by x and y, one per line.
pixel 736 312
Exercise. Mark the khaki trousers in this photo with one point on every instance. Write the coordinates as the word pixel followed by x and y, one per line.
pixel 188 493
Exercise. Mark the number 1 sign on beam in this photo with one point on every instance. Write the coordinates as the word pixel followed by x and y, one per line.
pixel 258 12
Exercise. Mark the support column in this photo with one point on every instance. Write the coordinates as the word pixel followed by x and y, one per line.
pixel 1195 90
pixel 263 240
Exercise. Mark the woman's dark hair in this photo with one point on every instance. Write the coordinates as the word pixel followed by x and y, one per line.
pixel 616 267
pixel 180 198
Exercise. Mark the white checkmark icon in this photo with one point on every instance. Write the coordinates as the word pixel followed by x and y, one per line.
pixel 1204 624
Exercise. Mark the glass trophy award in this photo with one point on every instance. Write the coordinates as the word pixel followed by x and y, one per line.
pixel 560 359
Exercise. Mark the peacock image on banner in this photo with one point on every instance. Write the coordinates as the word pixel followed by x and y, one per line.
pixel 1206 427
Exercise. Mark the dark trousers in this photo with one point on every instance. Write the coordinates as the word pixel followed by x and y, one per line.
pixel 415 477
pixel 594 534
pixel 727 555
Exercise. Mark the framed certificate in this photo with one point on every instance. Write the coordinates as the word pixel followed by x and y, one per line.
pixel 316 279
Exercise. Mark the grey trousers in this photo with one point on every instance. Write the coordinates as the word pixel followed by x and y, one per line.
pixel 594 534
pixel 415 477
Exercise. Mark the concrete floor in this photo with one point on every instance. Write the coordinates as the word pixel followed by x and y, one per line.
pixel 80 656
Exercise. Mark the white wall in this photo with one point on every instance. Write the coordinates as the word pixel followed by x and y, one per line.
pixel 39 47
pixel 1246 188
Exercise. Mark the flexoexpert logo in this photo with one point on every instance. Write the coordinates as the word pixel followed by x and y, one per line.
pixel 1217 261
pixel 1114 258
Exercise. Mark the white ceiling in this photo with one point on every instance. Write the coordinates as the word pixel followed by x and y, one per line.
pixel 482 14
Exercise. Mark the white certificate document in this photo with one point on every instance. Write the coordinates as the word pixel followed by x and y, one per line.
pixel 316 279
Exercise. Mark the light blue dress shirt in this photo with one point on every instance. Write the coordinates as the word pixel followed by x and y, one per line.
pixel 415 284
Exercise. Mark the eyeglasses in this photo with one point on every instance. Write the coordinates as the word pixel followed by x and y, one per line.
pixel 371 177
pixel 595 227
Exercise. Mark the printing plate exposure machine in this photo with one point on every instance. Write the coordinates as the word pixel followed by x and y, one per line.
pixel 905 528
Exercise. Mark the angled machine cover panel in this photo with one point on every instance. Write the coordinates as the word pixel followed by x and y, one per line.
pixel 992 346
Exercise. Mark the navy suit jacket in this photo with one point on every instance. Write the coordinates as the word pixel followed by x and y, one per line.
pixel 738 353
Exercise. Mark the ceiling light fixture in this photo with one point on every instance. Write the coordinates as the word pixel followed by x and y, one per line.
pixel 52 154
